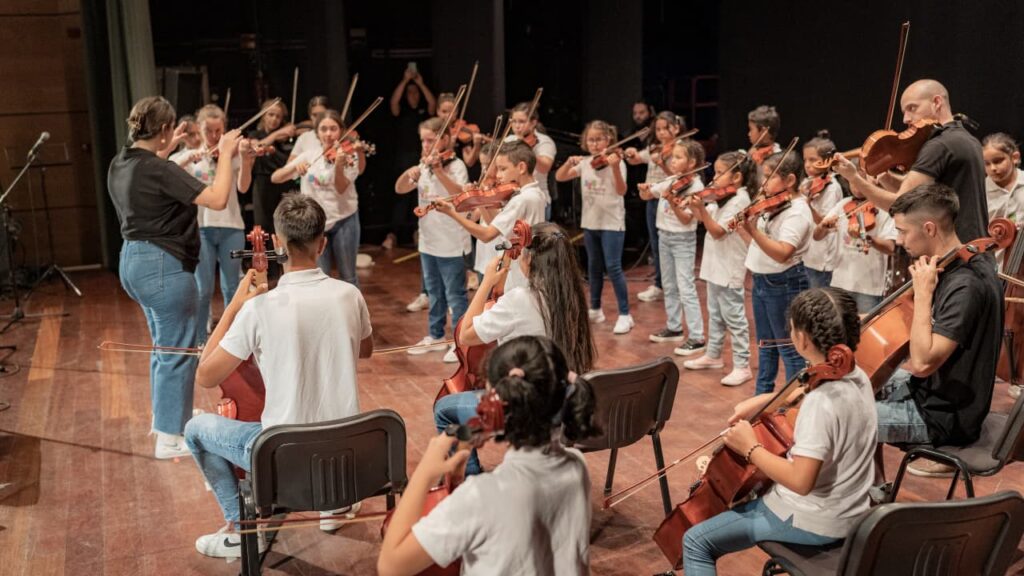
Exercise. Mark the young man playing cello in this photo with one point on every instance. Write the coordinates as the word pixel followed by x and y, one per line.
pixel 945 390
pixel 325 325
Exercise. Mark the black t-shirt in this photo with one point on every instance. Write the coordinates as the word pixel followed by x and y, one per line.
pixel 153 198
pixel 953 157
pixel 266 165
pixel 968 308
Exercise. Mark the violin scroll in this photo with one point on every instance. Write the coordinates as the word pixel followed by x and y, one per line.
pixel 839 361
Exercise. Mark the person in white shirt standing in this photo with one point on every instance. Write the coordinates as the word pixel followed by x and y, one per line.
pixel 604 217
pixel 308 139
pixel 823 193
pixel 524 127
pixel 722 268
pixel 220 231
pixel 531 515
pixel 821 485
pixel 332 183
pixel 309 374
pixel 442 240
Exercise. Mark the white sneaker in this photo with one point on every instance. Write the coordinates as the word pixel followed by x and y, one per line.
pixel 596 315
pixel 737 376
pixel 420 303
pixel 449 356
pixel 1014 390
pixel 170 446
pixel 223 544
pixel 333 523
pixel 651 294
pixel 704 363
pixel 624 324
pixel 428 344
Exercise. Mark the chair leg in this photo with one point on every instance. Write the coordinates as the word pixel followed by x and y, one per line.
pixel 251 559
pixel 659 460
pixel 611 472
pixel 937 456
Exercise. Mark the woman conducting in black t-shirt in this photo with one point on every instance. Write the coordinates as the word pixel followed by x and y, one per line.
pixel 156 205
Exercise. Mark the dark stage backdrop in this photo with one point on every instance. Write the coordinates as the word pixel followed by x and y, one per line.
pixel 831 65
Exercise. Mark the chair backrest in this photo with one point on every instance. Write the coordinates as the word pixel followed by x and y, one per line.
pixel 329 465
pixel 631 402
pixel 1010 447
pixel 972 536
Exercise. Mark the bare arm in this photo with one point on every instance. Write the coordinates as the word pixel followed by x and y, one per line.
pixel 567 171
pixel 216 195
pixel 928 350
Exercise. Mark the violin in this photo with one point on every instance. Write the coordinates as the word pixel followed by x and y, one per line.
pixel 885 331
pixel 468 375
pixel 759 155
pixel 475 196
pixel 770 205
pixel 886 150
pixel 717 193
pixel 348 147
pixel 463 131
pixel 728 477
pixel 488 423
pixel 600 161
pixel 861 217
pixel 682 182
pixel 817 185
pixel 530 139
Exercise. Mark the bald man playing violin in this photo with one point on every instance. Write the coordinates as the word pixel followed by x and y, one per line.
pixel 951 156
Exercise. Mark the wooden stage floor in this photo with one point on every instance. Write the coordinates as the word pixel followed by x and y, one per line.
pixel 80 492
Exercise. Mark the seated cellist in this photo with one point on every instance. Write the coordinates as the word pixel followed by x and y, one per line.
pixel 945 390
pixel 305 335
pixel 821 487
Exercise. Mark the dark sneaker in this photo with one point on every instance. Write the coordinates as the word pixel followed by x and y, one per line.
pixel 690 348
pixel 667 335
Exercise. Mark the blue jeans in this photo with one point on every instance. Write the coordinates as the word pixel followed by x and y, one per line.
pixel 218 444
pixel 865 302
pixel 342 247
pixel 818 279
pixel 652 235
pixel 771 298
pixel 604 253
pixel 169 300
pixel 458 409
pixel 899 420
pixel 446 287
pixel 727 310
pixel 738 529
pixel 678 254
pixel 217 244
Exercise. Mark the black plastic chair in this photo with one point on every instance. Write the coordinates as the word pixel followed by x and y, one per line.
pixel 1001 442
pixel 633 402
pixel 972 536
pixel 322 466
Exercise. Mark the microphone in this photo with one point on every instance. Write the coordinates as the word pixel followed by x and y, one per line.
pixel 35 147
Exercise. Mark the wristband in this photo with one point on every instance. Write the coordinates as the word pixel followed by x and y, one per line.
pixel 752 448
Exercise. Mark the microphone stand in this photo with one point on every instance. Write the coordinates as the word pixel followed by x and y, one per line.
pixel 18 313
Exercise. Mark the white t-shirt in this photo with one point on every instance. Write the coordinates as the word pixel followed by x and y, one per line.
pixel 793 226
pixel 856 271
pixel 654 171
pixel 530 516
pixel 838 426
pixel 528 204
pixel 666 219
pixel 603 207
pixel 516 313
pixel 1004 203
pixel 305 335
pixel 305 142
pixel 441 235
pixel 205 170
pixel 821 254
pixel 318 183
pixel 722 263
pixel 485 252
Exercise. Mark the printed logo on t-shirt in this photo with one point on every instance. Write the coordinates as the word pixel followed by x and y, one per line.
pixel 203 172
pixel 593 186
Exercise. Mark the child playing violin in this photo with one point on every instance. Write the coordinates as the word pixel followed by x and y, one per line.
pixel 484 252
pixel 722 268
pixel 1004 180
pixel 308 138
pixel 220 231
pixel 667 126
pixel 775 259
pixel 823 193
pixel 821 486
pixel 763 125
pixel 532 513
pixel 469 150
pixel 185 137
pixel 329 176
pixel 514 164
pixel 604 218
pixel 863 254
pixel 442 240
pixel 524 127
pixel 677 238
pixel 552 304
pixel 273 132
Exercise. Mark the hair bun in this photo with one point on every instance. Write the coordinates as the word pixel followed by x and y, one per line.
pixel 823 133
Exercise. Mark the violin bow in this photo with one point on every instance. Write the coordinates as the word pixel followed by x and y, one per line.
pixel 295 93
pixel 348 98
pixel 373 106
pixel 792 144
pixel 469 90
pixel 447 121
pixel 227 102
pixel 109 346
pixel 259 114
pixel 638 134
pixel 904 36
pixel 508 128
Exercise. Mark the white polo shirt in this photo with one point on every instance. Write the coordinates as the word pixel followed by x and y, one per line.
pixel 856 271
pixel 1003 203
pixel 666 218
pixel 516 313
pixel 822 254
pixel 792 226
pixel 528 205
pixel 722 263
pixel 440 235
pixel 305 335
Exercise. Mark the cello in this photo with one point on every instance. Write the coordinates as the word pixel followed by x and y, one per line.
pixel 468 376
pixel 1010 368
